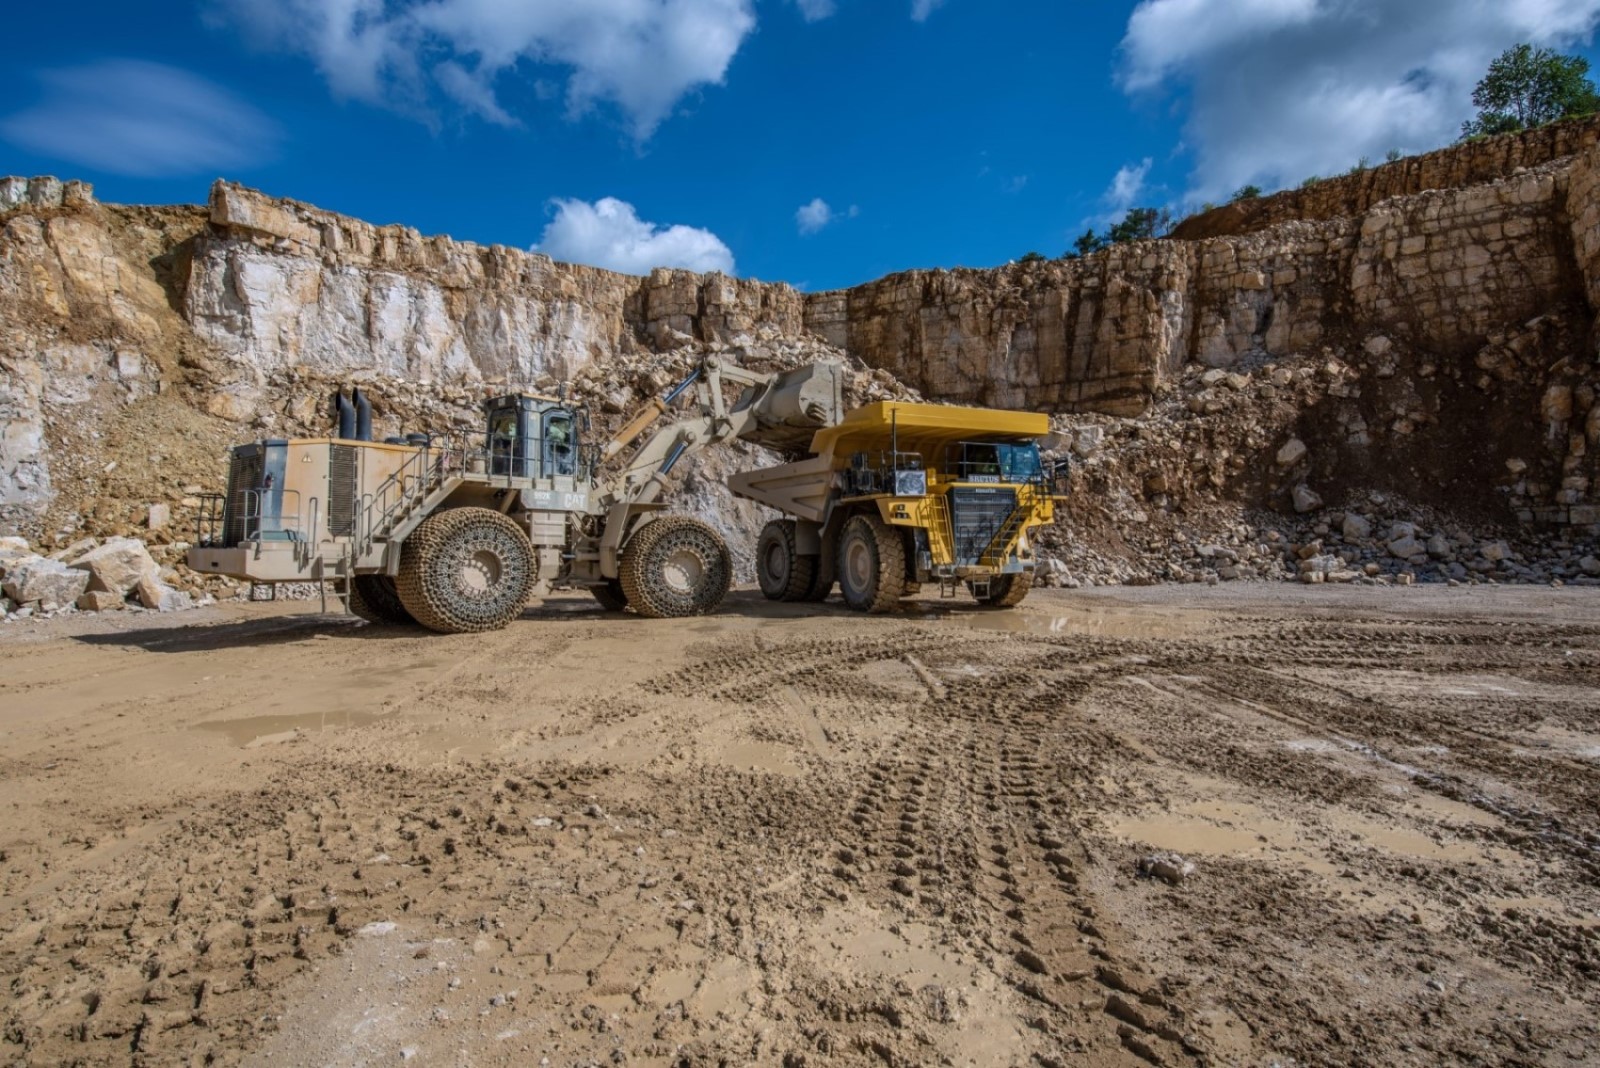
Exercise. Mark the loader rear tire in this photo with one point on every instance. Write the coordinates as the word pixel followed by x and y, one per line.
pixel 466 570
pixel 375 599
pixel 872 564
pixel 783 574
pixel 1007 591
pixel 609 594
pixel 675 566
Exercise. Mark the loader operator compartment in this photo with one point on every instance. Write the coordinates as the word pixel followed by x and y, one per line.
pixel 532 437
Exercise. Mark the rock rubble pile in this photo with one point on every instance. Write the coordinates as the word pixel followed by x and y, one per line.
pixel 92 575
pixel 1224 480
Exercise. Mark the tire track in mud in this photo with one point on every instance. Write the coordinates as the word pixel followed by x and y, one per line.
pixel 972 823
pixel 947 780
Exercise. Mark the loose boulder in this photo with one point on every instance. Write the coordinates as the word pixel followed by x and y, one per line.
pixel 1306 499
pixel 117 566
pixel 99 601
pixel 39 579
pixel 1292 453
pixel 159 597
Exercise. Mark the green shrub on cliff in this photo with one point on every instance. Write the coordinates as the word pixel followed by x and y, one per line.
pixel 1528 87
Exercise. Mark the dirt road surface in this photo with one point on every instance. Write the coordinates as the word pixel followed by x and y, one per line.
pixel 796 836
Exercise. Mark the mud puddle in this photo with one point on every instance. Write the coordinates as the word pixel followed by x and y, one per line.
pixel 253 732
pixel 1088 623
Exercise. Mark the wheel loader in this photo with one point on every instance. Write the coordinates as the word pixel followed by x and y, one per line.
pixel 897 495
pixel 458 534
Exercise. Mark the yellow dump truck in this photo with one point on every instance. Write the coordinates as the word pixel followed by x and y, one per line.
pixel 897 495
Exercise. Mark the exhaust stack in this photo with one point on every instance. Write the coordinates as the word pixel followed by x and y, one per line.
pixel 363 417
pixel 344 415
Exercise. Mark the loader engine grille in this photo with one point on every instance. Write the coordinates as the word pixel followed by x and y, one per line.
pixel 246 469
pixel 977 515
pixel 342 491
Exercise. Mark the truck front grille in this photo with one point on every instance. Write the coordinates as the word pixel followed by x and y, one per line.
pixel 977 514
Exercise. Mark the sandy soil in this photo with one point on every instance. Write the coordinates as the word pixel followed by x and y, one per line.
pixel 792 835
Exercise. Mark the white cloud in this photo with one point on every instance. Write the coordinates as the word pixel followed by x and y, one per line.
pixel 142 119
pixel 1284 89
pixel 1127 186
pixel 921 9
pixel 814 216
pixel 610 234
pixel 643 56
pixel 471 93
pixel 816 10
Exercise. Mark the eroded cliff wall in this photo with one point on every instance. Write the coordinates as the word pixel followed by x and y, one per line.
pixel 135 343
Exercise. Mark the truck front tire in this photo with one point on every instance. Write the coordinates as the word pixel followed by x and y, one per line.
pixel 1007 591
pixel 872 564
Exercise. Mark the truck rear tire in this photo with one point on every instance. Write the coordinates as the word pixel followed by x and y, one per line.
pixel 783 574
pixel 675 567
pixel 1007 591
pixel 872 564
pixel 466 570
pixel 609 594
pixel 375 599
pixel 821 586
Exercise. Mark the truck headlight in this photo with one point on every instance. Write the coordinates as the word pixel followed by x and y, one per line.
pixel 911 483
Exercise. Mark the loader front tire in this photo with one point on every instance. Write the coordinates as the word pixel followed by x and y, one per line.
pixel 466 570
pixel 609 594
pixel 375 599
pixel 872 564
pixel 784 575
pixel 675 566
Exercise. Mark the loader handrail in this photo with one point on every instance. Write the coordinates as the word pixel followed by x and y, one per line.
pixel 385 507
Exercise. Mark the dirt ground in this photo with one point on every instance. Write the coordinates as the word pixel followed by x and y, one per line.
pixel 791 835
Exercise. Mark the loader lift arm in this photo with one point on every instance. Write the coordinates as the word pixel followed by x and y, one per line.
pixel 781 410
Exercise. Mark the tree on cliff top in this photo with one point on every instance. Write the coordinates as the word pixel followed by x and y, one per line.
pixel 1527 87
pixel 1140 224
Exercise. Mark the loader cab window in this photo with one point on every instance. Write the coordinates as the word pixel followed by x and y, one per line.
pixel 507 448
pixel 560 443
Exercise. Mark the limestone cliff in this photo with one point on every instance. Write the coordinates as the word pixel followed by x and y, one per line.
pixel 136 342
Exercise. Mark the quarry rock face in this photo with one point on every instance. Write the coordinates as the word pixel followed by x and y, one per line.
pixel 276 284
pixel 1430 321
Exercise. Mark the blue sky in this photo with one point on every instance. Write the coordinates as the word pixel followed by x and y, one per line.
pixel 820 142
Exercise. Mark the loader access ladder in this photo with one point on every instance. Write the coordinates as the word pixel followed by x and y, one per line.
pixel 398 498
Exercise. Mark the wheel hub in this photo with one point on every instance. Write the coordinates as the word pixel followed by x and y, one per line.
pixel 480 572
pixel 683 571
pixel 858 565
pixel 777 560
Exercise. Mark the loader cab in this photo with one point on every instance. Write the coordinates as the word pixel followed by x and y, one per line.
pixel 532 436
